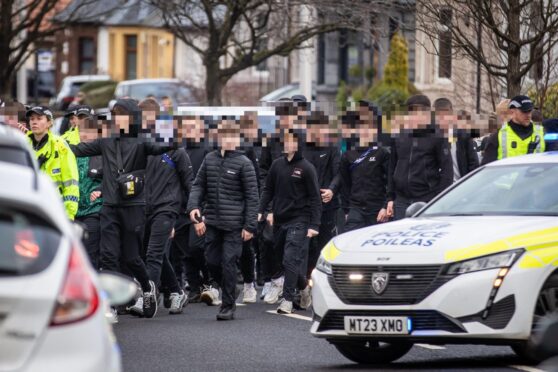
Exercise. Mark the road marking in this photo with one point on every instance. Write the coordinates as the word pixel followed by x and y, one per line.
pixel 294 316
pixel 431 347
pixel 237 304
pixel 527 368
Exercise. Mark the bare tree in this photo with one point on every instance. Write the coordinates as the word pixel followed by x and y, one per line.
pixel 23 25
pixel 232 35
pixel 514 34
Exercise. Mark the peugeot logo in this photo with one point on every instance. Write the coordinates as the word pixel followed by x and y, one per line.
pixel 380 282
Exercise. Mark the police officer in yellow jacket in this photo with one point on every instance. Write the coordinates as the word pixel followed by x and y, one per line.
pixel 54 157
pixel 518 136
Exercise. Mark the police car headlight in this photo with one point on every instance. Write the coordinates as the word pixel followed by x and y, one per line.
pixel 323 266
pixel 328 254
pixel 493 261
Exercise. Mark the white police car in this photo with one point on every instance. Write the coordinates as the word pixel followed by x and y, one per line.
pixel 477 265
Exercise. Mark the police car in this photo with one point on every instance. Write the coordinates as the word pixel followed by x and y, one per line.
pixel 477 265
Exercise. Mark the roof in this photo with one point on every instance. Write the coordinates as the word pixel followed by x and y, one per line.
pixel 545 157
pixel 112 13
pixel 148 81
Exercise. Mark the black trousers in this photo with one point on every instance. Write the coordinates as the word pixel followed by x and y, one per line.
pixel 122 238
pixel 291 253
pixel 188 257
pixel 266 251
pixel 248 261
pixel 157 244
pixel 92 240
pixel 359 218
pixel 222 251
pixel 328 229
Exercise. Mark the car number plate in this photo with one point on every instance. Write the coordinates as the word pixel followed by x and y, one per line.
pixel 381 325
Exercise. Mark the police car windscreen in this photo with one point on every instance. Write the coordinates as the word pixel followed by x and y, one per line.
pixel 515 190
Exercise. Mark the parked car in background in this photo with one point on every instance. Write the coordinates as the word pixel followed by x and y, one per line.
pixel 288 90
pixel 70 87
pixel 45 84
pixel 139 89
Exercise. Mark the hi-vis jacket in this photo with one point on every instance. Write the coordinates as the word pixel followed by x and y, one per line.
pixel 57 160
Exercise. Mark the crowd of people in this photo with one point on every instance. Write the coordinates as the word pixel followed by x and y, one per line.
pixel 189 205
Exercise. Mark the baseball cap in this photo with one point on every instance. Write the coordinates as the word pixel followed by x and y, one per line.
pixel 523 103
pixel 298 98
pixel 418 100
pixel 40 110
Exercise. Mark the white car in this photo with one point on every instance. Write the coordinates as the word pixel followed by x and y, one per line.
pixel 477 265
pixel 70 88
pixel 52 308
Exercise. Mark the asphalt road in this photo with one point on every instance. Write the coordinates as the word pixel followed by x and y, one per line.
pixel 261 340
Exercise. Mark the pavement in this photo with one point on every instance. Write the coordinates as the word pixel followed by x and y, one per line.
pixel 259 339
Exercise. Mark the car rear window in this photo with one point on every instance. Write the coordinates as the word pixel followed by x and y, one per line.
pixel 15 156
pixel 28 245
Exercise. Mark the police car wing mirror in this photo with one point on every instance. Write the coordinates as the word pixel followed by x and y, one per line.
pixel 414 208
pixel 118 288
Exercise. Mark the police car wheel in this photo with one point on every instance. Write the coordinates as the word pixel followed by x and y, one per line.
pixel 547 304
pixel 373 352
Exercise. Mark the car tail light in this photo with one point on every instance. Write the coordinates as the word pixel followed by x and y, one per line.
pixel 78 298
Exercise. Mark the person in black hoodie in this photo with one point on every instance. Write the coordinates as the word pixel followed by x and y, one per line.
pixel 188 249
pixel 454 127
pixel 364 170
pixel 420 162
pixel 227 183
pixel 167 186
pixel 325 156
pixel 292 186
pixel 123 212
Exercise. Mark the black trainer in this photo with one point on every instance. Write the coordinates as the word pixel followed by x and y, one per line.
pixel 150 301
pixel 226 313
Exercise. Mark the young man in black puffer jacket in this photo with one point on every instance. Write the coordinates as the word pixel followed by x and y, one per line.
pixel 227 183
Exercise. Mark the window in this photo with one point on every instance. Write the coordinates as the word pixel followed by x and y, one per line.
pixel 86 55
pixel 321 58
pixel 445 47
pixel 131 57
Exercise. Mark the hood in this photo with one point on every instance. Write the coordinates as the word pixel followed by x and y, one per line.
pixel 448 239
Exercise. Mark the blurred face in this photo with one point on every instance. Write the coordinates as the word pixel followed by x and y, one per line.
pixel 520 117
pixel 290 143
pixel 446 119
pixel 88 130
pixel 228 140
pixel 122 122
pixel 193 128
pixel 39 124
pixel 419 117
pixel 10 118
pixel 167 104
pixel 367 135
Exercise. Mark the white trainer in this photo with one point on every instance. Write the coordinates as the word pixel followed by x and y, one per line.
pixel 275 291
pixel 285 307
pixel 210 296
pixel 306 298
pixel 249 294
pixel 265 290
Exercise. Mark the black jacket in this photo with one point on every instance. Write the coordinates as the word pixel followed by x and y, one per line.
pixel 421 166
pixel 466 154
pixel 251 154
pixel 326 161
pixel 293 187
pixel 134 157
pixel 196 153
pixel 272 151
pixel 365 184
pixel 168 181
pixel 229 188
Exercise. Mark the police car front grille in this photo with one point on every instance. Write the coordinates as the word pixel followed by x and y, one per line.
pixel 406 285
pixel 422 320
